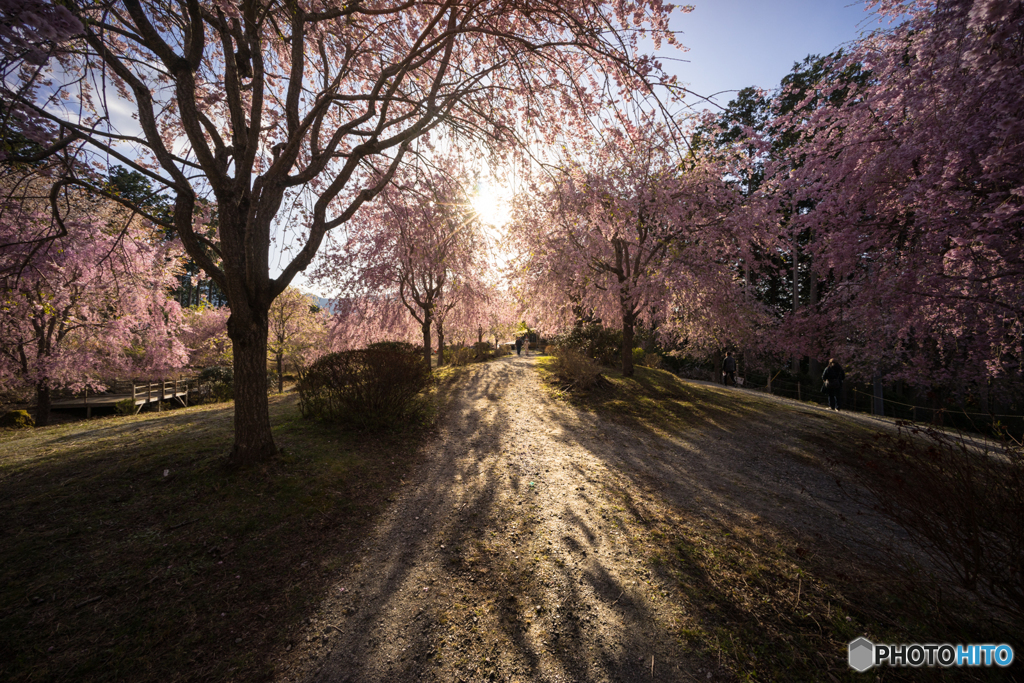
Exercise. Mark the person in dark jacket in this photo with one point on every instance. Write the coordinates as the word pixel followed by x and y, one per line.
pixel 519 346
pixel 833 378
pixel 729 370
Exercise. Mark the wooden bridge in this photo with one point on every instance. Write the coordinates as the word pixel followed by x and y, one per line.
pixel 141 394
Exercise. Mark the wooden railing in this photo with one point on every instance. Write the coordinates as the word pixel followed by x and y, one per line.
pixel 162 390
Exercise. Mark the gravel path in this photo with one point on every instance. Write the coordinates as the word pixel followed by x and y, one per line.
pixel 510 555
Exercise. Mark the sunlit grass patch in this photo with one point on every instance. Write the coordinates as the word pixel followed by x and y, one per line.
pixel 651 398
pixel 747 600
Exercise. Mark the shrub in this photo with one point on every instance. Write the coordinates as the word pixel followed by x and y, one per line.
pixel 397 347
pixel 652 360
pixel 216 384
pixel 372 388
pixel 594 341
pixel 484 351
pixel 963 503
pixel 461 355
pixel 125 406
pixel 464 355
pixel 17 419
pixel 550 350
pixel 218 373
pixel 638 356
pixel 222 391
pixel 575 369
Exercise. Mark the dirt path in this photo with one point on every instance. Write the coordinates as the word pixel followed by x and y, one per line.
pixel 510 556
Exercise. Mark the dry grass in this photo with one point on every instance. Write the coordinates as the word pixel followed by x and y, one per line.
pixel 129 553
pixel 576 371
pixel 751 600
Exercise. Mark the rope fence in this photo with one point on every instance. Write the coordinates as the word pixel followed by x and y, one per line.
pixel 860 401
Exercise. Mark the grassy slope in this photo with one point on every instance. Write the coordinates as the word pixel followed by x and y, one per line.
pixel 110 570
pixel 757 603
pixel 128 553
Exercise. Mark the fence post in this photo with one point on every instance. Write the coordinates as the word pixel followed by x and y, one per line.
pixel 879 402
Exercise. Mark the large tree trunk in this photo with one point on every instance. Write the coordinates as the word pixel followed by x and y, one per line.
pixel 425 326
pixel 628 322
pixel 43 402
pixel 254 441
pixel 440 343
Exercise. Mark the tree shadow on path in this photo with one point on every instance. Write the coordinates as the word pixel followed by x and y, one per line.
pixel 500 562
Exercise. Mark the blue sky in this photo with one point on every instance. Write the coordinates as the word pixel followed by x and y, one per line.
pixel 737 43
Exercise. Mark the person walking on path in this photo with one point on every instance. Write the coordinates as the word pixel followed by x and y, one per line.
pixel 519 346
pixel 729 370
pixel 526 345
pixel 833 378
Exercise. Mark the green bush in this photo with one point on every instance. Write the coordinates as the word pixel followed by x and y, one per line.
pixel 373 388
pixel 460 355
pixel 125 406
pixel 638 356
pixel 397 347
pixel 17 419
pixel 222 391
pixel 216 385
pixel 594 341
pixel 218 373
pixel 575 369
pixel 464 355
pixel 650 360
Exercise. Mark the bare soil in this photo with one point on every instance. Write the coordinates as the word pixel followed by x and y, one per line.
pixel 521 549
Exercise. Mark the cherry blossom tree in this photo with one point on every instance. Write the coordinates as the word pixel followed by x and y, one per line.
pixel 463 308
pixel 911 186
pixel 502 315
pixel 419 243
pixel 304 107
pixel 615 236
pixel 205 335
pixel 297 330
pixel 358 321
pixel 91 304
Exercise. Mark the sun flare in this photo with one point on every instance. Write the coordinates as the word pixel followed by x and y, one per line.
pixel 491 203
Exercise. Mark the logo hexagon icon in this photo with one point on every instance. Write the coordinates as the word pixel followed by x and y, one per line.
pixel 862 654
